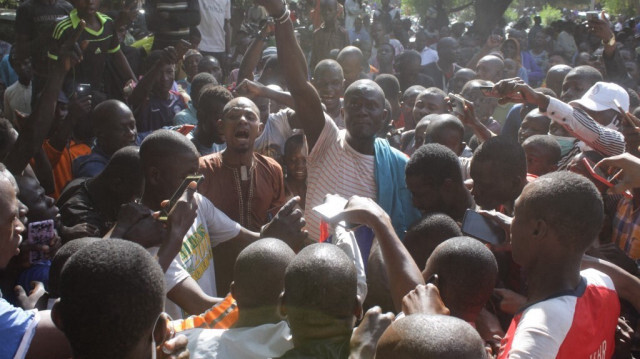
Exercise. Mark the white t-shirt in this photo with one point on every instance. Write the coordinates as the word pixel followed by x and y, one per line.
pixel 17 97
pixel 212 16
pixel 264 341
pixel 210 228
pixel 428 55
pixel 336 168
pixel 276 132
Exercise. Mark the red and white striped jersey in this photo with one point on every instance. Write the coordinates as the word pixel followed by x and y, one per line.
pixel 578 324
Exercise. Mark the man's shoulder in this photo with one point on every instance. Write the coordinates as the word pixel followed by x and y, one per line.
pixel 269 162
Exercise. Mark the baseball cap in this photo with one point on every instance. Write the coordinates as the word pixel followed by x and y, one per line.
pixel 601 95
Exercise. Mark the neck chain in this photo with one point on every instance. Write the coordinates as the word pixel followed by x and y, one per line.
pixel 240 176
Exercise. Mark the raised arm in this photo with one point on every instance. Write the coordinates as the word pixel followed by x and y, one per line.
pixel 253 54
pixel 255 89
pixel 143 89
pixel 290 56
pixel 36 129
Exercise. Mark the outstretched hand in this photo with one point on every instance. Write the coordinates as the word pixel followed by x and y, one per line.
pixel 288 225
pixel 630 166
pixel 248 88
pixel 365 337
pixel 517 91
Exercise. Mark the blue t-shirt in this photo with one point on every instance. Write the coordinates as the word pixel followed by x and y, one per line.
pixel 17 328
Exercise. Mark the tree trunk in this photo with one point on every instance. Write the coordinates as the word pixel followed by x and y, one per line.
pixel 488 15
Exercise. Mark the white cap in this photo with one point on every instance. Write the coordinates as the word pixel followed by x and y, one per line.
pixel 601 95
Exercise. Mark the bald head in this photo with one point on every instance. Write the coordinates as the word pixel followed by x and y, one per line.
pixel 327 66
pixel 365 86
pixel 108 112
pixel 430 337
pixel 578 81
pixel 555 77
pixel 258 274
pixel 350 59
pixel 240 102
pixel 490 68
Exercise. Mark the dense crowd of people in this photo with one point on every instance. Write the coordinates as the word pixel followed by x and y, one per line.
pixel 317 179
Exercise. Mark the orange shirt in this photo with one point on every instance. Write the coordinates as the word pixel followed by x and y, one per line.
pixel 61 162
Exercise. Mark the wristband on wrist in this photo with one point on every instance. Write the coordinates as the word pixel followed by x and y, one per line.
pixel 284 18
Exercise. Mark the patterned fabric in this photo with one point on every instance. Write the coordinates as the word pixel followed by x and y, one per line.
pixel 626 228
pixel 221 316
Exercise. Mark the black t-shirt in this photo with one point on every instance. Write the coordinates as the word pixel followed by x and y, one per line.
pixel 99 44
pixel 37 20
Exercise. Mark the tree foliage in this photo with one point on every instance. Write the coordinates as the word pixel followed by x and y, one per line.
pixel 627 7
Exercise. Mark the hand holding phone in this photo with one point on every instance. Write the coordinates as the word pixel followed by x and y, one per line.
pixel 40 234
pixel 457 103
pixel 601 177
pixel 164 213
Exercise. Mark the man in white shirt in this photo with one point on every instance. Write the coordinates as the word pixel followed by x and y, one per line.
pixel 215 29
pixel 167 158
pixel 18 96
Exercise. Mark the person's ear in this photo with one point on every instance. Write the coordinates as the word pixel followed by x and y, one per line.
pixel 540 229
pixel 461 147
pixel 260 128
pixel 282 308
pixel 56 316
pixel 358 311
pixel 220 125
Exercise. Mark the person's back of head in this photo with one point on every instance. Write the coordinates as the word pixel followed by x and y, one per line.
pixel 8 137
pixel 543 153
pixel 567 211
pixel 123 175
pixel 320 292
pixel 436 162
pixel 446 130
pixel 258 274
pixel 111 294
pixel 60 259
pixel 198 82
pixel 467 273
pixel 390 86
pixel 424 236
pixel 210 104
pixel 555 76
pixel 430 337
pixel 499 172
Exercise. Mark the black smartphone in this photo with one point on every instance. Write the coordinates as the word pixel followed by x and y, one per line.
pixel 164 213
pixel 479 227
pixel 83 90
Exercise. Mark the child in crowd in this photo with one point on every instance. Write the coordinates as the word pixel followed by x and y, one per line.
pixel 543 154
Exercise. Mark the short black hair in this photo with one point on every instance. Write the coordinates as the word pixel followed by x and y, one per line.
pixel 128 284
pixel 199 81
pixel 213 99
pixel 569 203
pixel 293 143
pixel 426 234
pixel 435 161
pixel 412 90
pixel 390 85
pixel 467 273
pixel 548 145
pixel 506 154
pixel 60 259
pixel 473 85
pixel 408 55
pixel 322 279
pixel 431 336
pixel 325 64
pixel 258 274
pixel 163 144
pixel 206 59
pixel 433 91
pixel 440 125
